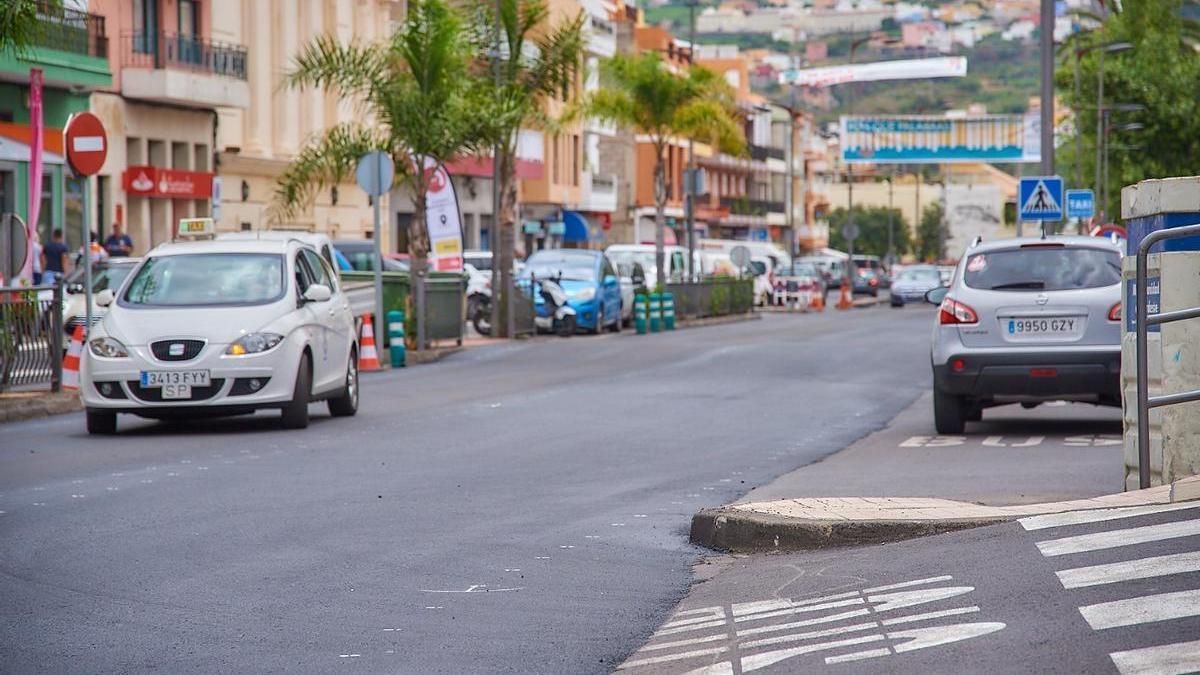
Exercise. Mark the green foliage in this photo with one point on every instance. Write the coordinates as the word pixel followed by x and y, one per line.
pixel 872 223
pixel 1161 73
pixel 19 24
pixel 932 234
pixel 416 97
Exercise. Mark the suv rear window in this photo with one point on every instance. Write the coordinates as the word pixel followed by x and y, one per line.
pixel 1042 269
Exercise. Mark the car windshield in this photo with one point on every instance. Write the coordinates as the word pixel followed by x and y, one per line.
pixel 197 279
pixel 577 266
pixel 625 260
pixel 104 276
pixel 1043 269
pixel 927 274
pixel 481 263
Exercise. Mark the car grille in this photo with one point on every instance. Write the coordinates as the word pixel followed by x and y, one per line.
pixel 154 394
pixel 162 349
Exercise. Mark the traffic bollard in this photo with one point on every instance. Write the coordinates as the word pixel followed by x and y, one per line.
pixel 639 314
pixel 655 312
pixel 668 311
pixel 395 332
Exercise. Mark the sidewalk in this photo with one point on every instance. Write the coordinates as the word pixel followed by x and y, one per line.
pixel 24 405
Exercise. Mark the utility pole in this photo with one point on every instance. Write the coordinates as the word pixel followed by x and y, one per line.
pixel 850 270
pixel 891 250
pixel 689 184
pixel 1047 96
pixel 1100 131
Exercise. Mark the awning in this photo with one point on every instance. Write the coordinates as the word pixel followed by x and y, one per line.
pixel 576 226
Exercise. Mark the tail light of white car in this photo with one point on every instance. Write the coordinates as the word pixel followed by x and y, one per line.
pixel 952 312
pixel 1114 312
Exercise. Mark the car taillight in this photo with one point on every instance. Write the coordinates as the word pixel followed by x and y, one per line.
pixel 873 281
pixel 1114 313
pixel 954 312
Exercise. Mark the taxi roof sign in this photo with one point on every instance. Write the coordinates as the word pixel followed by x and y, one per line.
pixel 196 227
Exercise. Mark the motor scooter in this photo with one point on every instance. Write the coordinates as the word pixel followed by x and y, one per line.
pixel 554 314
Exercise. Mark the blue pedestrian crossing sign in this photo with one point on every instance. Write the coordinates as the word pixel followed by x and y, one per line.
pixel 1041 198
pixel 1081 204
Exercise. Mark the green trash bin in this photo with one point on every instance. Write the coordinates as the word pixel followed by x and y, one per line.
pixel 655 312
pixel 395 333
pixel 668 311
pixel 639 313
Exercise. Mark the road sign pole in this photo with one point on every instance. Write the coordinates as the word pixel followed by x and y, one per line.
pixel 378 277
pixel 87 256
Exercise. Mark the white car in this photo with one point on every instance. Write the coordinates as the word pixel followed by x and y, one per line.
pixel 222 327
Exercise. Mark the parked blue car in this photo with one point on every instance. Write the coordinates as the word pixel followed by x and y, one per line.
pixel 589 280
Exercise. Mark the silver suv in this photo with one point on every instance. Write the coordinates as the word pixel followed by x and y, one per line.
pixel 1026 321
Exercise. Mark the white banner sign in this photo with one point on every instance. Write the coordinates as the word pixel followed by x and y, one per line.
pixel 906 69
pixel 443 220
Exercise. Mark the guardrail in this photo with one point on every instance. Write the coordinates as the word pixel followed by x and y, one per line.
pixel 31 337
pixel 1144 400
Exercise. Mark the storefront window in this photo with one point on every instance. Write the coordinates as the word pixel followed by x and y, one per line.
pixel 46 210
pixel 73 212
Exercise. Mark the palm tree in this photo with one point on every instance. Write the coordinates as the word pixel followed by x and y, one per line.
pixel 529 63
pixel 640 93
pixel 20 26
pixel 416 99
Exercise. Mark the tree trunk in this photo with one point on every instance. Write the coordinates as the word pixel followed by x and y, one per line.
pixel 418 252
pixel 503 223
pixel 660 221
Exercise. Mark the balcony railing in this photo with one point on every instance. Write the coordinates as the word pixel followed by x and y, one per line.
pixel 70 30
pixel 762 152
pixel 184 52
pixel 744 206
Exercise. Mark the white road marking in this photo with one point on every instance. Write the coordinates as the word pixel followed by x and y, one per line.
pixel 998 442
pixel 890 601
pixel 747 632
pixel 684 643
pixel 1099 515
pixel 1143 568
pixel 475 588
pixel 695 626
pixel 923 638
pixel 1144 609
pixel 933 441
pixel 906 584
pixel 722 668
pixel 799 610
pixel 757 661
pixel 1174 659
pixel 929 615
pixel 674 657
pixel 1116 538
pixel 858 656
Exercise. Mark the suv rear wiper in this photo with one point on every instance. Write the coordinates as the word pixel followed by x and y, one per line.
pixel 1019 284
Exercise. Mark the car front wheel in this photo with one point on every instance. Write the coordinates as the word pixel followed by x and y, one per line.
pixel 347 404
pixel 295 413
pixel 949 412
pixel 101 422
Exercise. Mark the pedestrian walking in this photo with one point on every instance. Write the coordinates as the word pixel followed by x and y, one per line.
pixel 36 245
pixel 54 259
pixel 118 244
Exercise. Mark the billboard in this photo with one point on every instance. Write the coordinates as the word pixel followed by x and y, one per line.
pixel 904 69
pixel 934 139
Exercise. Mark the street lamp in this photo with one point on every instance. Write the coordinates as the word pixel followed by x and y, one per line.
pixel 1106 48
pixel 1129 126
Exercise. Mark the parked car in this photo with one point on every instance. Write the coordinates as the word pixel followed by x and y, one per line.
pixel 674 257
pixel 1027 321
pixel 276 332
pixel 912 283
pixel 866 282
pixel 106 274
pixel 359 252
pixel 946 272
pixel 318 241
pixel 480 260
pixel 589 280
pixel 872 264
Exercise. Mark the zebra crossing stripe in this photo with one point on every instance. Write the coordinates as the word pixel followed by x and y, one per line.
pixel 1142 568
pixel 1144 609
pixel 1099 515
pixel 1116 538
pixel 1174 659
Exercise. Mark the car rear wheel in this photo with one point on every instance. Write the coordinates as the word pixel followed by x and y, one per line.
pixel 347 404
pixel 949 412
pixel 599 318
pixel 101 422
pixel 295 413
pixel 566 327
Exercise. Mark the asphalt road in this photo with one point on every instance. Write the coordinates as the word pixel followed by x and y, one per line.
pixel 521 507
pixel 1093 592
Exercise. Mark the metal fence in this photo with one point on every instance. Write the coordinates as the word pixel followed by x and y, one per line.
pixel 1144 320
pixel 716 296
pixel 185 52
pixel 31 337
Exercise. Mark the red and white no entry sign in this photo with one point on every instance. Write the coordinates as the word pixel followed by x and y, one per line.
pixel 87 143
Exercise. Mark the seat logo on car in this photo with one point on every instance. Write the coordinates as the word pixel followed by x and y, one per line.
pixel 1042 298
pixel 176 349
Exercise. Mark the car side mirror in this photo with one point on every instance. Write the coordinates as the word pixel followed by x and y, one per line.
pixel 317 293
pixel 105 298
pixel 609 279
pixel 935 296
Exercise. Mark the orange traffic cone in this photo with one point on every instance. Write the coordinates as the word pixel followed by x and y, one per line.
pixel 844 300
pixel 70 367
pixel 818 300
pixel 368 358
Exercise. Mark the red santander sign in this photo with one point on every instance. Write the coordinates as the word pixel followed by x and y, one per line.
pixel 151 181
pixel 87 143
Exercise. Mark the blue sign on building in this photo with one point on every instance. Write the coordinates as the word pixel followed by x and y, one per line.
pixel 1041 198
pixel 1081 204
pixel 1153 296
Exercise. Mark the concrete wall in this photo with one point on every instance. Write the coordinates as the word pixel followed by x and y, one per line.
pixel 1174 352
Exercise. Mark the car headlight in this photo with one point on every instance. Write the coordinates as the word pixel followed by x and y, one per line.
pixel 108 348
pixel 585 294
pixel 253 343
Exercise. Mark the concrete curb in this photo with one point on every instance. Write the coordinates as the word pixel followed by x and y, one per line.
pixel 718 320
pixel 16 409
pixel 431 355
pixel 740 532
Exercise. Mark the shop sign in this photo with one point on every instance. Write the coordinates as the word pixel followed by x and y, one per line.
pixel 151 181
